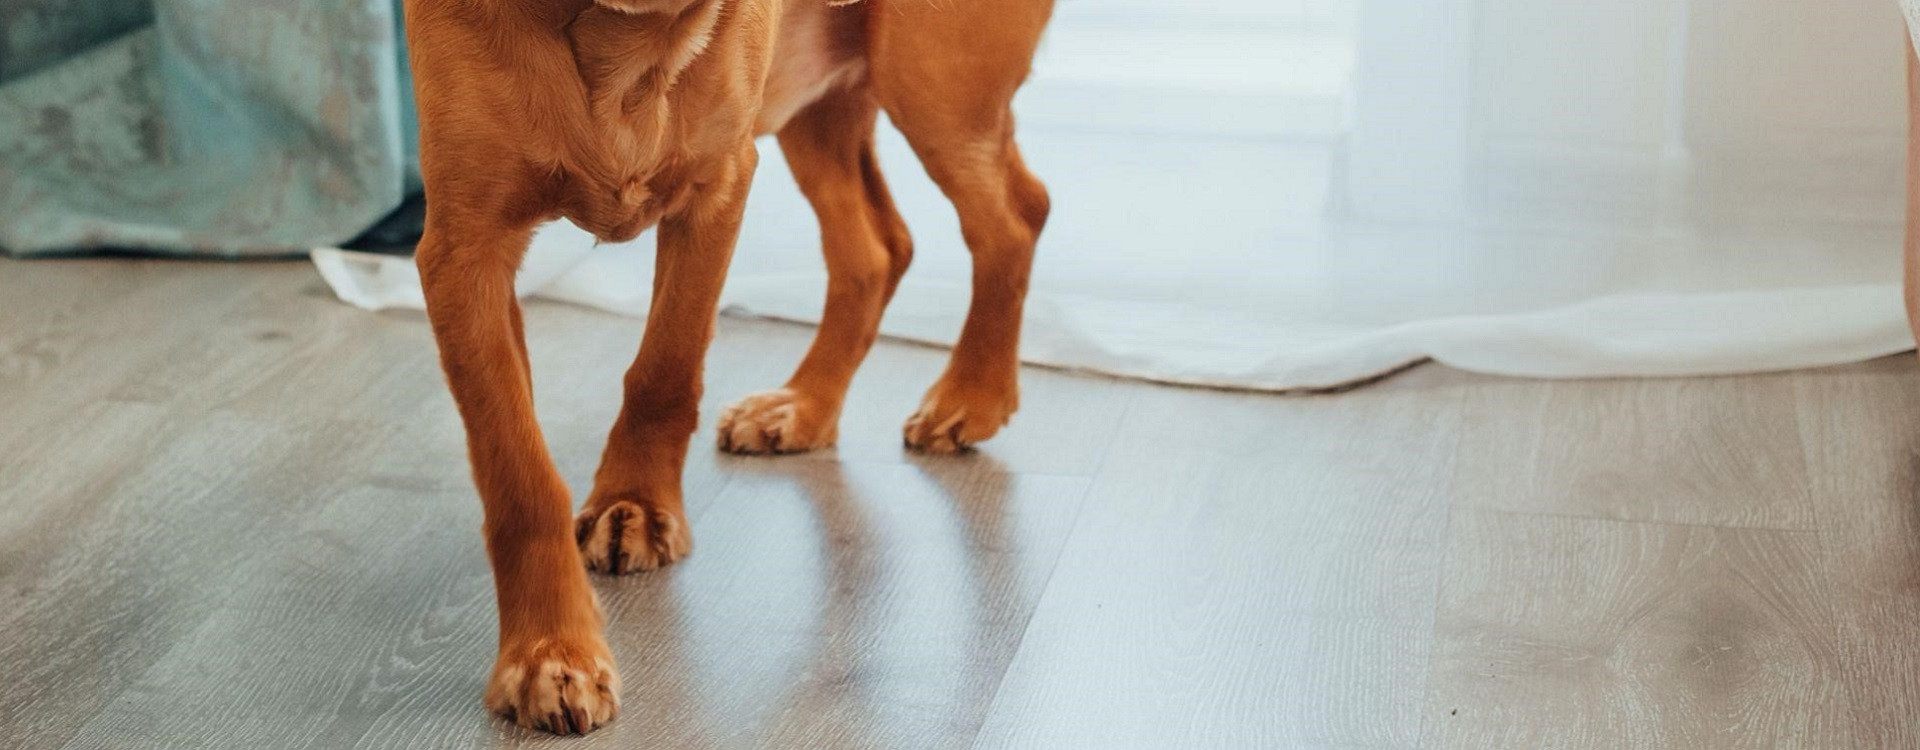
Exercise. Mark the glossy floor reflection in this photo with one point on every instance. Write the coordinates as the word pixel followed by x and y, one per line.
pixel 236 515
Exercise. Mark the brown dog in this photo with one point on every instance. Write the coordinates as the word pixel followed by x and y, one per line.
pixel 626 114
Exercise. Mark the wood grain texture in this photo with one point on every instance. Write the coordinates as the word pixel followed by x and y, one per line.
pixel 236 514
pixel 379 638
pixel 837 606
pixel 1573 633
pixel 1249 572
pixel 1715 451
pixel 1863 460
pixel 126 570
pixel 65 348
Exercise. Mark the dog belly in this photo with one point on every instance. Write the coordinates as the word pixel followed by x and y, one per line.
pixel 819 48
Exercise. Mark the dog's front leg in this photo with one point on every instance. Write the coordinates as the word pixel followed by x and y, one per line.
pixel 554 670
pixel 635 519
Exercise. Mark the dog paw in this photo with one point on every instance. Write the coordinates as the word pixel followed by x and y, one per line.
pixel 778 421
pixel 952 418
pixel 625 537
pixel 556 687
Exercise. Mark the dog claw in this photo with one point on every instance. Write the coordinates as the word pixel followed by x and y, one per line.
pixel 541 688
pixel 953 419
pixel 628 537
pixel 780 421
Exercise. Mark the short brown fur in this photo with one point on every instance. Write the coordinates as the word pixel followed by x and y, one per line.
pixel 622 115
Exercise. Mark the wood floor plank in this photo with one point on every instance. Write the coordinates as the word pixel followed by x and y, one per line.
pixel 1714 451
pixel 234 513
pixel 53 363
pixel 371 625
pixel 836 606
pixel 53 309
pixel 269 331
pixel 1568 632
pixel 1863 460
pixel 128 569
pixel 1248 572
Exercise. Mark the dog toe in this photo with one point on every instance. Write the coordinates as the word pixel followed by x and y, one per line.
pixel 555 687
pixel 952 419
pixel 780 421
pixel 626 537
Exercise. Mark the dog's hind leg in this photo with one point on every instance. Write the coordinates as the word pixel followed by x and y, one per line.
pixel 554 671
pixel 946 73
pixel 829 146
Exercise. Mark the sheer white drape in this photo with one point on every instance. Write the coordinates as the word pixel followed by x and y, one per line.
pixel 1300 193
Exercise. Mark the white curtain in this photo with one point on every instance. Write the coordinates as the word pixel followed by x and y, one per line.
pixel 1284 194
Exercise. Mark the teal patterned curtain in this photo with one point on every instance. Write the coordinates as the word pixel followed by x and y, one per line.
pixel 201 127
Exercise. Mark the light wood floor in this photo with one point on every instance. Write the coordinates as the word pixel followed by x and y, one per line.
pixel 235 514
